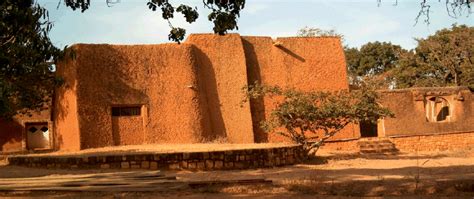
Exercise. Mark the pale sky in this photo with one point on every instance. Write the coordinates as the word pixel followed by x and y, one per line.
pixel 360 21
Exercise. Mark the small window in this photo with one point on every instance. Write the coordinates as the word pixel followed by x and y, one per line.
pixel 33 129
pixel 437 109
pixel 126 111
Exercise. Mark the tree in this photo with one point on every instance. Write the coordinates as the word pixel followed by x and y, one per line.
pixel 317 32
pixel 224 13
pixel 26 79
pixel 454 8
pixel 372 63
pixel 311 118
pixel 443 59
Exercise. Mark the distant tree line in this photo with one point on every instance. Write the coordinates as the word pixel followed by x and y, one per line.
pixel 443 59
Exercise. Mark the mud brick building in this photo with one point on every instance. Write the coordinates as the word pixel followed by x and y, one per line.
pixel 192 93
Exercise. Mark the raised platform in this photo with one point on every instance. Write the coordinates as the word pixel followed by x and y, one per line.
pixel 173 157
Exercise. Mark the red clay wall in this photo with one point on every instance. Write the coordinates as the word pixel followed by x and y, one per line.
pixel 128 130
pixel 414 143
pixel 65 118
pixel 158 77
pixel 11 135
pixel 440 142
pixel 408 105
pixel 222 66
pixel 308 64
pixel 190 92
pixel 12 132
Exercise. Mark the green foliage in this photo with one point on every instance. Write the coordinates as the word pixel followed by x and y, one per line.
pixel 443 59
pixel 374 59
pixel 310 118
pixel 26 79
pixel 317 32
pixel 223 14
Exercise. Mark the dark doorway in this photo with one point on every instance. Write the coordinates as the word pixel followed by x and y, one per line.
pixel 368 129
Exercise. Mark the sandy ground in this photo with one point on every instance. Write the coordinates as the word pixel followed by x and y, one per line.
pixel 331 175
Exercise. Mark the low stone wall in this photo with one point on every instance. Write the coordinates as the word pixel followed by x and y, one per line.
pixel 214 160
pixel 434 142
pixel 440 142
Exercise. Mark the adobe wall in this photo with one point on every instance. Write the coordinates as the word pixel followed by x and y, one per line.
pixel 223 74
pixel 11 135
pixel 303 63
pixel 160 78
pixel 415 143
pixel 13 132
pixel 190 92
pixel 408 105
pixel 64 115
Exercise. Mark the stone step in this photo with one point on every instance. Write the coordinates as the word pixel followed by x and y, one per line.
pixel 379 147
pixel 379 151
pixel 375 141
pixel 371 139
pixel 376 146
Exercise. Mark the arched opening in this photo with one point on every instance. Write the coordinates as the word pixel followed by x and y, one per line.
pixel 437 109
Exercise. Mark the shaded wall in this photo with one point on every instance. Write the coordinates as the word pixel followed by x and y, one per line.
pixel 64 116
pixel 222 65
pixel 11 135
pixel 307 64
pixel 409 107
pixel 13 132
pixel 159 78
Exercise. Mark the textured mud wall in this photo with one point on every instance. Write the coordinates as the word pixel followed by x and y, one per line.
pixel 415 143
pixel 190 92
pixel 128 130
pixel 13 132
pixel 222 71
pixel 307 64
pixel 160 78
pixel 64 116
pixel 408 105
pixel 11 135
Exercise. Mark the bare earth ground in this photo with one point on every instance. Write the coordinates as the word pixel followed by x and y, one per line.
pixel 331 175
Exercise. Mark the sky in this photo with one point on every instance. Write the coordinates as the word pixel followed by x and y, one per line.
pixel 360 21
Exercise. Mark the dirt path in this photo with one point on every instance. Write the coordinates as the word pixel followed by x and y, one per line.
pixel 335 175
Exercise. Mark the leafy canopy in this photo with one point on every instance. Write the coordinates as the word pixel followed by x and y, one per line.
pixel 372 63
pixel 443 59
pixel 26 79
pixel 310 118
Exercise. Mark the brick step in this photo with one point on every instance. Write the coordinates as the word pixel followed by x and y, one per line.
pixel 373 139
pixel 379 151
pixel 373 142
pixel 376 146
